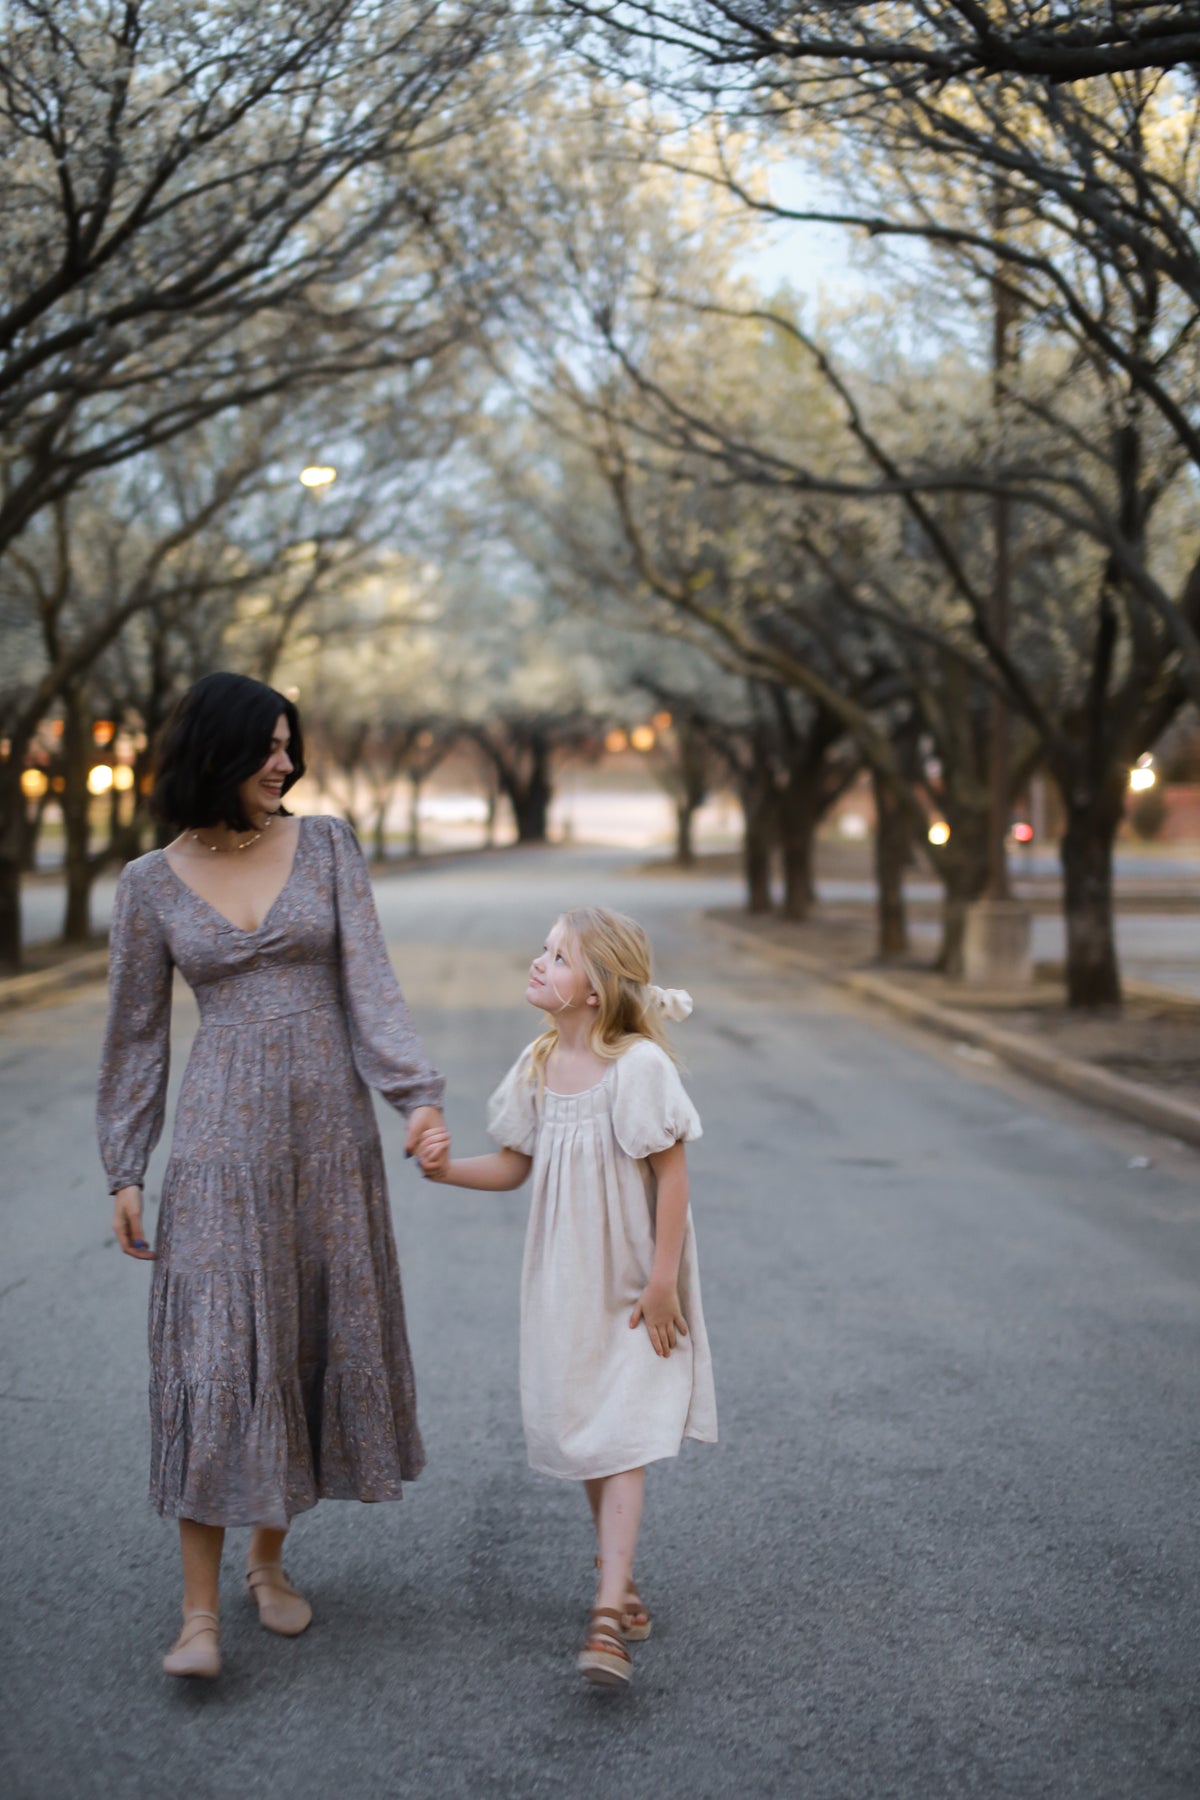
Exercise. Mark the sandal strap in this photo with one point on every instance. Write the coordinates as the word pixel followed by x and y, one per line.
pixel 196 1619
pixel 599 1628
pixel 282 1585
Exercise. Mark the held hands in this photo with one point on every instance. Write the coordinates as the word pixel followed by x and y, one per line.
pixel 421 1120
pixel 127 1224
pixel 433 1153
pixel 659 1310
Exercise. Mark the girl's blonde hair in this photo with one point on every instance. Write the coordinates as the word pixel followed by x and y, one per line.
pixel 615 953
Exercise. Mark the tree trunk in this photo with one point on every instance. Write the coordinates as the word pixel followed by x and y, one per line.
pixel 379 833
pixel 76 805
pixel 1093 977
pixel 414 815
pixel 685 850
pixel 893 852
pixel 799 811
pixel 757 838
pixel 12 847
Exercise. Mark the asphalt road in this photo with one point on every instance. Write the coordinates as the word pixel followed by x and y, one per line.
pixel 947 1546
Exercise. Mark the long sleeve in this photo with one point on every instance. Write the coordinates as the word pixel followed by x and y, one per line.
pixel 136 1058
pixel 387 1051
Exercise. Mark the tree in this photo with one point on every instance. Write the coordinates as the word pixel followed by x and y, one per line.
pixel 933 45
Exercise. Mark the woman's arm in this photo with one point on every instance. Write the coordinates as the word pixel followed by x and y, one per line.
pixel 497 1173
pixel 135 1060
pixel 387 1051
pixel 659 1305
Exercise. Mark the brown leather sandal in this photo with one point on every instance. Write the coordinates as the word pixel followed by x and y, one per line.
pixel 280 1608
pixel 189 1655
pixel 603 1658
pixel 635 1620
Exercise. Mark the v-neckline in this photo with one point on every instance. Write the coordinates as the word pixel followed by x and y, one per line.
pixel 224 918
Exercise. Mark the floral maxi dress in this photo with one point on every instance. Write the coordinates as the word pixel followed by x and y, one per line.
pixel 280 1371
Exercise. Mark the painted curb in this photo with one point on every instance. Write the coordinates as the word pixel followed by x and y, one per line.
pixel 1083 1081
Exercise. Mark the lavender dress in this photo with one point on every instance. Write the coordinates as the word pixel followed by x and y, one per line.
pixel 279 1363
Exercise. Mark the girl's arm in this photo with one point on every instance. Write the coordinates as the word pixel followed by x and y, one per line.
pixel 659 1304
pixel 494 1174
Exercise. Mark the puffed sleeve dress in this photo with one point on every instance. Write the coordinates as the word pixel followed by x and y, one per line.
pixel 280 1371
pixel 595 1399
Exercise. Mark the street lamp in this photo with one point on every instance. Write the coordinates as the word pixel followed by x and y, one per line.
pixel 317 475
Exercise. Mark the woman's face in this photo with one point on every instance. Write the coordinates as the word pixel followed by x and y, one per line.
pixel 557 979
pixel 263 793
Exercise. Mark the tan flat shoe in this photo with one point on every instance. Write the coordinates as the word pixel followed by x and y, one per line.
pixel 280 1608
pixel 603 1658
pixel 197 1650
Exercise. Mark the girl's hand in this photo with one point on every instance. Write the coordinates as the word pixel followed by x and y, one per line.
pixel 127 1224
pixel 433 1153
pixel 660 1311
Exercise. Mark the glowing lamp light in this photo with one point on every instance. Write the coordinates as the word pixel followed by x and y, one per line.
pixel 1140 779
pixel 661 721
pixel 100 779
pixel 123 778
pixel 317 475
pixel 103 731
pixel 1023 832
pixel 616 741
pixel 33 783
pixel 642 737
pixel 939 832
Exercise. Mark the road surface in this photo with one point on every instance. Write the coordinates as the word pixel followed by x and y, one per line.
pixel 946 1547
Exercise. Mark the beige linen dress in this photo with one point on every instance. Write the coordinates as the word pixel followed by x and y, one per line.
pixel 279 1363
pixel 595 1398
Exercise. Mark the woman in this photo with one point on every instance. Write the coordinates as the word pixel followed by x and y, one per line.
pixel 280 1368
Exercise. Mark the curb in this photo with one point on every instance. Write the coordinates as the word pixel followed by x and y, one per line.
pixel 1083 1081
pixel 20 990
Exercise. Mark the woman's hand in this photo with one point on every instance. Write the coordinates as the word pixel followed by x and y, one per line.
pixel 659 1310
pixel 423 1119
pixel 127 1224
pixel 433 1153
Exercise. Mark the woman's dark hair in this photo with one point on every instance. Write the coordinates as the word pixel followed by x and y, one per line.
pixel 216 737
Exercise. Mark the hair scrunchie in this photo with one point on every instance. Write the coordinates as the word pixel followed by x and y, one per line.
pixel 672 1003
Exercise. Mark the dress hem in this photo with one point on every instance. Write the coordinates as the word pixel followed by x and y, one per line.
pixel 632 1461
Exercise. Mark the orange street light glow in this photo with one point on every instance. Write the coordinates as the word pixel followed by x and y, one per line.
pixel 123 778
pixel 100 779
pixel 317 476
pixel 939 832
pixel 1141 779
pixel 642 737
pixel 616 740
pixel 33 783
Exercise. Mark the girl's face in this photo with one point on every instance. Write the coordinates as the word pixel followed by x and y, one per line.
pixel 263 793
pixel 557 979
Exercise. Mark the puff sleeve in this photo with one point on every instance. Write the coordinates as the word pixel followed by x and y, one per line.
pixel 512 1119
pixel 387 1051
pixel 651 1109
pixel 136 1059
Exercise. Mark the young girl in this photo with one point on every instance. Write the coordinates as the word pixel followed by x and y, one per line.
pixel 615 1369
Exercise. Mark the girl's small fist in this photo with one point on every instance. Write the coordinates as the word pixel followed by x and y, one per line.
pixel 433 1152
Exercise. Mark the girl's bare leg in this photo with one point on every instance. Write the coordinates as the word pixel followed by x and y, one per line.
pixel 617 1510
pixel 200 1546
